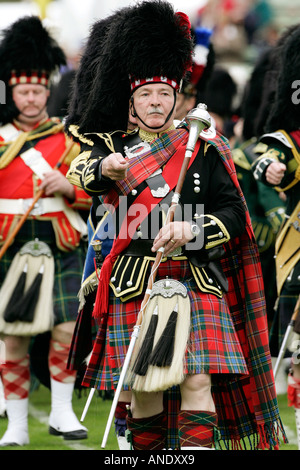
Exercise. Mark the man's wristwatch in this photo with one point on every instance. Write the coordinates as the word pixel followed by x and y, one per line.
pixel 195 229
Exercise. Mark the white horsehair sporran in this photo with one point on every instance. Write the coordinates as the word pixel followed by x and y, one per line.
pixel 26 296
pixel 157 362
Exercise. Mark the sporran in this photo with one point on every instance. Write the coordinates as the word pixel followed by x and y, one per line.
pixel 26 296
pixel 157 362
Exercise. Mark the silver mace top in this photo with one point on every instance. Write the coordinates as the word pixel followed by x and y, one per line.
pixel 197 119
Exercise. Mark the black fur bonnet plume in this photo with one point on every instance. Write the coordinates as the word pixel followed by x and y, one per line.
pixel 143 41
pixel 28 54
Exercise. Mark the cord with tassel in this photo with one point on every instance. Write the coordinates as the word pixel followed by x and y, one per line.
pixel 162 354
pixel 21 305
pixel 141 364
pixel 11 314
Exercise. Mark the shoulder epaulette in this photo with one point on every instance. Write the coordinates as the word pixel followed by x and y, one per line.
pixel 80 137
pixel 280 135
pixel 240 159
pixel 76 167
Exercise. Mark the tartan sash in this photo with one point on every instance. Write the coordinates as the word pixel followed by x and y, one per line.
pixel 144 165
pixel 170 174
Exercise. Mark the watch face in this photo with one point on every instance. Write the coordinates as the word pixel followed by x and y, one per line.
pixel 195 229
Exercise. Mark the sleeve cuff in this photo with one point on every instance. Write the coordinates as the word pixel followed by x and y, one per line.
pixel 215 232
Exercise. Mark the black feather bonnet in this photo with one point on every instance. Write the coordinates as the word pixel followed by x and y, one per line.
pixel 285 110
pixel 148 41
pixel 28 54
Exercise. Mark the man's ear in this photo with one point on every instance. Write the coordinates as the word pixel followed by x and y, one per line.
pixel 132 115
pixel 131 108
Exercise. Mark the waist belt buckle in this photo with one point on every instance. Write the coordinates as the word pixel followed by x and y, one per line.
pixel 161 191
pixel 37 208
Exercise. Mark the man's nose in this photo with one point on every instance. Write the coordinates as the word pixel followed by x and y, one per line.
pixel 155 101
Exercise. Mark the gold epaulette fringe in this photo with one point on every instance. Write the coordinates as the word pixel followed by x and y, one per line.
pixel 73 153
pixel 13 150
pixel 88 286
pixel 74 131
pixel 15 146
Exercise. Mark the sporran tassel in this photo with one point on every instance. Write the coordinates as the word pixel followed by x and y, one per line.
pixel 11 314
pixel 162 354
pixel 23 309
pixel 165 365
pixel 141 364
pixel 30 298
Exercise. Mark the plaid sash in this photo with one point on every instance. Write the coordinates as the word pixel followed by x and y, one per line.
pixel 144 165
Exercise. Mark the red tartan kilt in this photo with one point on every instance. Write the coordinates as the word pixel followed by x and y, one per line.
pixel 213 344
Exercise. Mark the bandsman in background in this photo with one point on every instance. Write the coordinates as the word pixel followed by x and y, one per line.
pixel 266 205
pixel 277 165
pixel 42 258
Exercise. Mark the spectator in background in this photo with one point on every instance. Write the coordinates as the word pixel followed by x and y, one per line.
pixel 195 83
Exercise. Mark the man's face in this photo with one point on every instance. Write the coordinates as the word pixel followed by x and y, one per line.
pixel 153 103
pixel 31 100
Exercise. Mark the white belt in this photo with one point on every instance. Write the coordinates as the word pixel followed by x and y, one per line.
pixel 44 205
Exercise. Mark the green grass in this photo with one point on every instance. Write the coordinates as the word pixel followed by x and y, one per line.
pixel 96 420
pixel 40 439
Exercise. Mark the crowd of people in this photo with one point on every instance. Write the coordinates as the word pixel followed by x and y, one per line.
pixel 199 235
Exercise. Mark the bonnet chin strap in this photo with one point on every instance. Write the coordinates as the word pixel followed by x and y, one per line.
pixel 135 114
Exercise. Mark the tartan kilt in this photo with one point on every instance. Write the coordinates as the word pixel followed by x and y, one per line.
pixel 213 345
pixel 68 267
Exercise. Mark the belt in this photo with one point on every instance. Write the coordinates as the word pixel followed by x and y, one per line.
pixel 141 248
pixel 44 205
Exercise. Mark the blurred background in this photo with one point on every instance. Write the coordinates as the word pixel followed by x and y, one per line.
pixel 242 29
